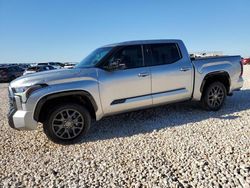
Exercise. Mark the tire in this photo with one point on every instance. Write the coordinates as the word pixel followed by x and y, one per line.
pixel 214 96
pixel 67 123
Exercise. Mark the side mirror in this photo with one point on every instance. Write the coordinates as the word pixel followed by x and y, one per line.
pixel 116 64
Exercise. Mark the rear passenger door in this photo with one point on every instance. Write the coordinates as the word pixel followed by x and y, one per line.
pixel 171 73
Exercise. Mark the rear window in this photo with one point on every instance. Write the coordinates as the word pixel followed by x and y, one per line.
pixel 162 54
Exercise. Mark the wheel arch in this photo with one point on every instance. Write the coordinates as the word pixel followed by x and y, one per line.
pixel 221 76
pixel 77 96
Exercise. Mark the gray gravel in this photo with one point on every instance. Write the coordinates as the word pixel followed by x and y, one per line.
pixel 172 146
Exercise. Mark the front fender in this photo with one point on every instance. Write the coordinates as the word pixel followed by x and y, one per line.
pixel 63 94
pixel 89 88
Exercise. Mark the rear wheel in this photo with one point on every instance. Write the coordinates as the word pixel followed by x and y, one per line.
pixel 214 96
pixel 67 123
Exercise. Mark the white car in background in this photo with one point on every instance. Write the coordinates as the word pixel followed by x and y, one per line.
pixel 56 65
pixel 69 65
pixel 38 68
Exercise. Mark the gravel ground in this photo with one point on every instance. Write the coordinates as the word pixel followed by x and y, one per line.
pixel 177 145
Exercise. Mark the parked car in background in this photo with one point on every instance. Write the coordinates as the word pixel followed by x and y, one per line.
pixel 24 65
pixel 38 68
pixel 69 65
pixel 9 73
pixel 245 61
pixel 3 65
pixel 56 65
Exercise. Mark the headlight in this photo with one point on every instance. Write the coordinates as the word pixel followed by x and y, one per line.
pixel 26 91
pixel 20 89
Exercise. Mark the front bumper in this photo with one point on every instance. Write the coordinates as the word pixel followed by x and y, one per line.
pixel 19 118
pixel 12 111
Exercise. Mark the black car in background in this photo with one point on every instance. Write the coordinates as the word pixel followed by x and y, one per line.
pixel 9 73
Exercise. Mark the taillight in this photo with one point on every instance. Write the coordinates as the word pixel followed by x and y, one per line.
pixel 241 66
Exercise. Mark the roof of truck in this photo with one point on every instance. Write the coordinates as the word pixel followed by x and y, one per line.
pixel 138 42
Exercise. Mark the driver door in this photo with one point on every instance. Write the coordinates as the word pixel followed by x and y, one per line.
pixel 128 87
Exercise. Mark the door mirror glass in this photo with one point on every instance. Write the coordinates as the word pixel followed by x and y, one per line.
pixel 115 65
pixel 127 57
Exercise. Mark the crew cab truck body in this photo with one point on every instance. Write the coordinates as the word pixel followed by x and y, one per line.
pixel 118 78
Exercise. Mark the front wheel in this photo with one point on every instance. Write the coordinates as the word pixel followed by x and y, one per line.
pixel 67 123
pixel 214 96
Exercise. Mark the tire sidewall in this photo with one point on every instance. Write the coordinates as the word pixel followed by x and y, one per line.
pixel 47 126
pixel 205 97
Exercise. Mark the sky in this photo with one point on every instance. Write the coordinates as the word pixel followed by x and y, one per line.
pixel 67 30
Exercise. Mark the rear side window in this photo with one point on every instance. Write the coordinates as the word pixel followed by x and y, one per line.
pixel 161 54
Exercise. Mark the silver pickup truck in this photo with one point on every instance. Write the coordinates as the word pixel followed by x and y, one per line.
pixel 119 78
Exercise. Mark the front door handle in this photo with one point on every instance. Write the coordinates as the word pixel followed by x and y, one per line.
pixel 184 69
pixel 143 74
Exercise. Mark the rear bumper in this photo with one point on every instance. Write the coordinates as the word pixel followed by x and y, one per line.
pixel 18 118
pixel 237 85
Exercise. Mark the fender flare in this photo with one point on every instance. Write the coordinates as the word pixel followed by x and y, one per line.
pixel 212 74
pixel 45 98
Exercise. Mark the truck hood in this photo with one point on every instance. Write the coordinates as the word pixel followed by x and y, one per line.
pixel 55 77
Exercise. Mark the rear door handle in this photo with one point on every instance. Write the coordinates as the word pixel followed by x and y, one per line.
pixel 184 69
pixel 143 74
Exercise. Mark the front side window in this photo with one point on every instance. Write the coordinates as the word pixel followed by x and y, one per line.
pixel 130 57
pixel 93 58
pixel 162 54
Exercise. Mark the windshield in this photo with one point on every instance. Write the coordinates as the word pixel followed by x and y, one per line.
pixel 92 59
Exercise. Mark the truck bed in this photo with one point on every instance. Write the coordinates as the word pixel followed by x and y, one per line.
pixel 213 57
pixel 230 65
